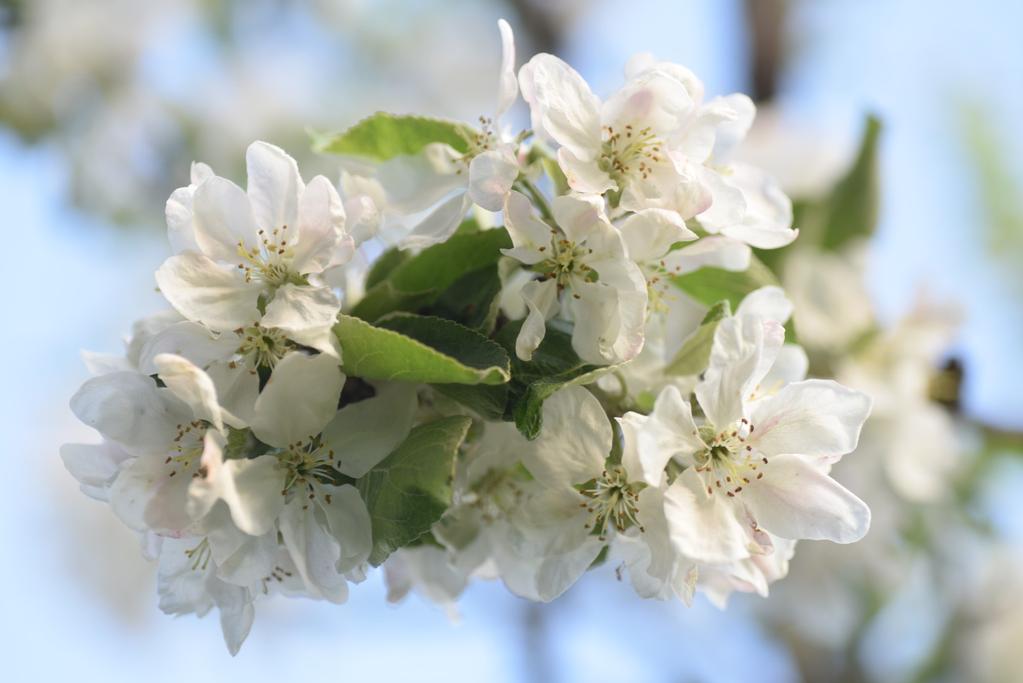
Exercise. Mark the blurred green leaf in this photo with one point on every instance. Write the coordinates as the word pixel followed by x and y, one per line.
pixel 384 136
pixel 411 348
pixel 412 487
pixel 420 280
pixel 692 358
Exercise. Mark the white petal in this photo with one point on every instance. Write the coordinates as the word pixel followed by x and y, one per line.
pixel 440 224
pixel 128 408
pixel 274 186
pixel 651 441
pixel 584 175
pixel 222 218
pixel 528 233
pixel 237 388
pixel 574 442
pixel 767 302
pixel 767 218
pixel 491 176
pixel 95 466
pixel 348 521
pixel 321 241
pixel 508 87
pixel 251 488
pixel 563 107
pixel 190 340
pixel 650 233
pixel 742 352
pixel 728 205
pixel 581 217
pixel 715 251
pixel 819 418
pixel 213 294
pixel 299 399
pixel 193 386
pixel 306 314
pixel 364 433
pixel 146 497
pixel 541 299
pixel 790 366
pixel 796 500
pixel 703 526
pixel 314 551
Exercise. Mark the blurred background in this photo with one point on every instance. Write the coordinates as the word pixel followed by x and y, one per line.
pixel 103 104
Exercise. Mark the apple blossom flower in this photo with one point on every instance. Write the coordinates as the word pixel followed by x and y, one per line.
pixel 585 276
pixel 252 260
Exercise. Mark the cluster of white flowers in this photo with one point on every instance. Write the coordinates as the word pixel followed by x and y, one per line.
pixel 520 403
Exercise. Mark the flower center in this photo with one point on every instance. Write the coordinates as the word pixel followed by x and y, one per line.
pixel 566 262
pixel 263 347
pixel 269 260
pixel 658 281
pixel 629 152
pixel 200 555
pixel 187 448
pixel 307 463
pixel 729 464
pixel 612 500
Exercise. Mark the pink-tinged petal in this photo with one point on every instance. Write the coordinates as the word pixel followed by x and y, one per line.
pixel 207 292
pixel 563 107
pixel 274 186
pixel 704 527
pixel 491 176
pixel 817 418
pixel 795 500
pixel 223 219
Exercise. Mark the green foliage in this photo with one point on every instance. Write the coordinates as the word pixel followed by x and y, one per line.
pixel 419 280
pixel 383 136
pixel 384 265
pixel 412 348
pixel 850 210
pixel 554 365
pixel 412 487
pixel 692 358
pixel 710 285
pixel 473 300
pixel 241 443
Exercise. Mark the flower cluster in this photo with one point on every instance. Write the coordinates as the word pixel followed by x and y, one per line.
pixel 377 375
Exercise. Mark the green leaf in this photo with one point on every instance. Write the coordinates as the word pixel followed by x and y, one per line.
pixel 692 358
pixel 385 265
pixel 412 487
pixel 557 176
pixel 242 443
pixel 421 279
pixel 383 136
pixel 554 365
pixel 712 285
pixel 850 210
pixel 472 300
pixel 412 348
pixel 489 401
